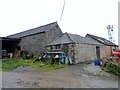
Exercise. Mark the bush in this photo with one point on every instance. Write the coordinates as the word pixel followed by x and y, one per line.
pixel 111 67
pixel 0 65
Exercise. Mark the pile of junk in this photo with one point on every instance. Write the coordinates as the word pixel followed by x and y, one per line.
pixel 114 58
pixel 59 57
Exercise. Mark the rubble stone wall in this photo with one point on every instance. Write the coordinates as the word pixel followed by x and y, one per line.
pixel 85 52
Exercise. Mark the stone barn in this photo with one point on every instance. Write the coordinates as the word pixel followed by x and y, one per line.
pixel 106 48
pixel 78 48
pixel 35 40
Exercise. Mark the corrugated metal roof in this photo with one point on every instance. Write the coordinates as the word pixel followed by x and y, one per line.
pixel 101 40
pixel 34 30
pixel 73 38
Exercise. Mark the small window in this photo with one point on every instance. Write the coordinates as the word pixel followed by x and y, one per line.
pixel 51 47
pixel 72 45
pixel 57 46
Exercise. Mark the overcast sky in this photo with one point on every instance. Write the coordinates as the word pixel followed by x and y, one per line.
pixel 79 16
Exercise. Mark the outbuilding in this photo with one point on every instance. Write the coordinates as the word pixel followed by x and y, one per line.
pixel 77 48
pixel 106 46
pixel 35 40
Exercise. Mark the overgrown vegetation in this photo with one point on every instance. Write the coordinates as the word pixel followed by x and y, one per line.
pixel 0 65
pixel 118 50
pixel 10 64
pixel 111 67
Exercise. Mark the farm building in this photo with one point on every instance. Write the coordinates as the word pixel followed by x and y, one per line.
pixel 107 46
pixel 33 41
pixel 8 45
pixel 50 38
pixel 77 48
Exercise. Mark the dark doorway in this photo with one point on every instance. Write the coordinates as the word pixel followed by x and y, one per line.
pixel 98 52
pixel 9 44
pixel 18 48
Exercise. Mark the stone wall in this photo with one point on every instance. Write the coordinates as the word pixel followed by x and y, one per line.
pixel 34 43
pixel 68 49
pixel 37 43
pixel 80 52
pixel 63 47
pixel 84 52
pixel 103 51
pixel 71 52
pixel 53 33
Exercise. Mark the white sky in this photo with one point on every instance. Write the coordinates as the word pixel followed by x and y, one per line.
pixel 79 17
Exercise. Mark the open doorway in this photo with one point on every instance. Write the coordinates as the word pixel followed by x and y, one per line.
pixel 98 52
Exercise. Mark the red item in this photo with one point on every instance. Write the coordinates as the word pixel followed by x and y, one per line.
pixel 116 53
pixel 115 60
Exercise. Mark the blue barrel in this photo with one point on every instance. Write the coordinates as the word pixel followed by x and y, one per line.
pixel 97 63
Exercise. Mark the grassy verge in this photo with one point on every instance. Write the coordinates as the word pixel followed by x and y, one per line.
pixel 10 64
pixel 112 67
pixel 0 65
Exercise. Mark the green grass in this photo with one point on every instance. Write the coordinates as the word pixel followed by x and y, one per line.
pixel 99 75
pixel 0 65
pixel 10 64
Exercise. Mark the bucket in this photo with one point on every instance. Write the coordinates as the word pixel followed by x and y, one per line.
pixel 97 63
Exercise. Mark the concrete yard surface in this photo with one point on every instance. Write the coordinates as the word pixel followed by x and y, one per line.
pixel 74 76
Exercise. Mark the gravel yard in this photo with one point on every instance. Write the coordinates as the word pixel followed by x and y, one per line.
pixel 74 76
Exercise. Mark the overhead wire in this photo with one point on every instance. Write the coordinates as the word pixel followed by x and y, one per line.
pixel 62 10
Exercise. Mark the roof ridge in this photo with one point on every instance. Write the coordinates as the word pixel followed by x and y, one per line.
pixel 95 36
pixel 106 43
pixel 68 34
pixel 32 29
